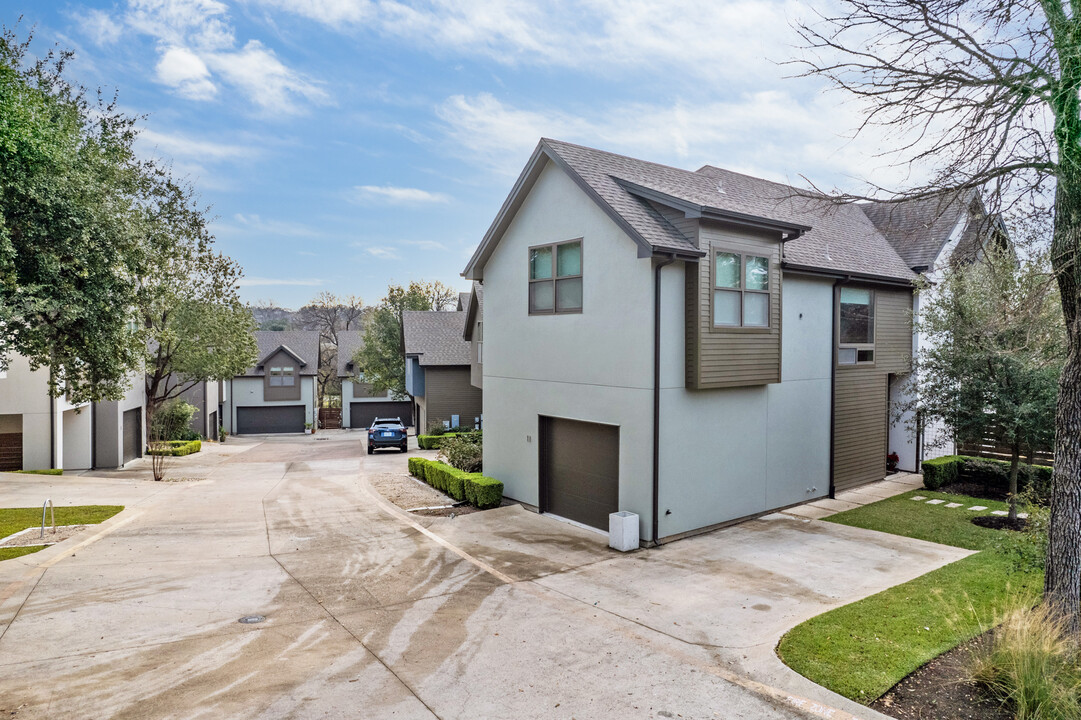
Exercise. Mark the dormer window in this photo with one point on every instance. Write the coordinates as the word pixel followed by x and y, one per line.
pixel 282 376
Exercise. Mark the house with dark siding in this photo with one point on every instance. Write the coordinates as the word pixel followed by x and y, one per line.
pixel 438 370
pixel 360 403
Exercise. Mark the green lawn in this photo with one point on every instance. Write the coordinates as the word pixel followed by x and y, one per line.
pixel 12 520
pixel 863 649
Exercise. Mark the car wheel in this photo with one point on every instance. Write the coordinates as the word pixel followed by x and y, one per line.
pixel 370 450
pixel 404 448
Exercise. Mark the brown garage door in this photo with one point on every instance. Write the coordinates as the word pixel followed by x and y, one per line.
pixel 361 414
pixel 579 470
pixel 259 420
pixel 11 451
pixel 133 434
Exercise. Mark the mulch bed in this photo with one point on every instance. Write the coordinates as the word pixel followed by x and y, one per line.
pixel 1000 522
pixel 942 690
pixel 976 490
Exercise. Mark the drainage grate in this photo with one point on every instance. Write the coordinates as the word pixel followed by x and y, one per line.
pixel 251 619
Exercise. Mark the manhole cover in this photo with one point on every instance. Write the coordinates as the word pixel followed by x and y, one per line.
pixel 251 619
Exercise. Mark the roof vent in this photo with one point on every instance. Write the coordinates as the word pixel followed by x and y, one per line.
pixel 720 188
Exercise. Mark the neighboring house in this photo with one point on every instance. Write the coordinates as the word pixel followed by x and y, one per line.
pixel 437 370
pixel 208 397
pixel 360 404
pixel 694 347
pixel 931 235
pixel 40 432
pixel 277 394
pixel 473 305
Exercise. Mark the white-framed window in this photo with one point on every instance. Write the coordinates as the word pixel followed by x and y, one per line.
pixel 555 278
pixel 480 343
pixel 282 376
pixel 740 290
pixel 856 327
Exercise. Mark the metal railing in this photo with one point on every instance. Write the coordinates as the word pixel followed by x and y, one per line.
pixel 52 512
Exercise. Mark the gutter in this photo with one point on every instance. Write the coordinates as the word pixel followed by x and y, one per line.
pixel 846 276
pixel 657 395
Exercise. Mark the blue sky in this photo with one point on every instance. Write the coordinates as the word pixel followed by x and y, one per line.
pixel 347 144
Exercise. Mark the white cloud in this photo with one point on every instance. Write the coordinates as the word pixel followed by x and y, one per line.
pixel 185 71
pixel 398 195
pixel 256 71
pixel 275 227
pixel 383 253
pixel 424 244
pixel 265 281
pixel 99 26
pixel 180 145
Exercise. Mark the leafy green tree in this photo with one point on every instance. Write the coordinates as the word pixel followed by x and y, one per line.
pixel 330 314
pixel 382 359
pixel 996 345
pixel 984 94
pixel 72 213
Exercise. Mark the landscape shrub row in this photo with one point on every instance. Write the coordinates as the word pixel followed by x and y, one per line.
pixel 434 442
pixel 943 471
pixel 474 488
pixel 175 448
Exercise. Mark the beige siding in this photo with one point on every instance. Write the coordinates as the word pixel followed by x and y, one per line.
pixel 447 391
pixel 861 394
pixel 721 358
pixel 364 390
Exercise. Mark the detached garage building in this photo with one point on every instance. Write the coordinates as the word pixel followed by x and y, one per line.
pixel 360 404
pixel 277 395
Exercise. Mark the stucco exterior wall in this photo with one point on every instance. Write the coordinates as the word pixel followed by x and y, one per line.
pixel 77 439
pixel 25 392
pixel 595 366
pixel 248 392
pixel 109 417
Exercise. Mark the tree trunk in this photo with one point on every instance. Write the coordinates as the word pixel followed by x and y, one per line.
pixel 1062 583
pixel 1015 465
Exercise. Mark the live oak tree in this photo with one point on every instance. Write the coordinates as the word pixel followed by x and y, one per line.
pixel 985 94
pixel 73 207
pixel 994 352
pixel 382 359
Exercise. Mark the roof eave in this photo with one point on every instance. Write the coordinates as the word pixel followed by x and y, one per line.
pixel 846 275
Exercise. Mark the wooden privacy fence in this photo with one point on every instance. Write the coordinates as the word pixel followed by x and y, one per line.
pixel 330 418
pixel 992 446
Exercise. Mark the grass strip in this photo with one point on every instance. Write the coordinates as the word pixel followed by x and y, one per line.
pixel 12 520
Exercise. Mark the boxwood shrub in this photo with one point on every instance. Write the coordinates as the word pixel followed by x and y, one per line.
pixel 175 448
pixel 985 471
pixel 434 442
pixel 474 488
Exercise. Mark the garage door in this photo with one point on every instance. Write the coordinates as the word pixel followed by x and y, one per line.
pixel 11 451
pixel 579 470
pixel 259 420
pixel 361 414
pixel 133 434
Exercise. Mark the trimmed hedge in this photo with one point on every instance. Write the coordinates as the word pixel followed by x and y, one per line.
pixel 175 448
pixel 474 488
pixel 434 442
pixel 986 471
pixel 56 471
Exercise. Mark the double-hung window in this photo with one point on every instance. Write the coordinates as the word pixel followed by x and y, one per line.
pixel 555 278
pixel 282 376
pixel 856 321
pixel 740 290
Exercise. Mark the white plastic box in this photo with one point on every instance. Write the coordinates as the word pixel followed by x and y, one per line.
pixel 623 531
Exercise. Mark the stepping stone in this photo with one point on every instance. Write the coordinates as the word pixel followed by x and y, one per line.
pixel 1000 512
pixel 918 497
pixel 1023 515
pixel 977 508
pixel 935 502
pixel 953 505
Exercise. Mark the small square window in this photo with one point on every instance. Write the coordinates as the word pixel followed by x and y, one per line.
pixel 555 278
pixel 741 290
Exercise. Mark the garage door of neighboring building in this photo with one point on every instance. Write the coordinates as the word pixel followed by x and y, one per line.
pixel 259 420
pixel 579 470
pixel 11 451
pixel 133 434
pixel 361 414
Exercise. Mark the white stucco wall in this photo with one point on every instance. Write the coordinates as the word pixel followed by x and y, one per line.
pixel 77 433
pixel 109 416
pixel 595 366
pixel 25 392
pixel 730 453
pixel 248 392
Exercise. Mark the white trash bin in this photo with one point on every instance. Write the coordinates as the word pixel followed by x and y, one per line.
pixel 623 531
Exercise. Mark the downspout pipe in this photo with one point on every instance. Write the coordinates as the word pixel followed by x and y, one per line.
pixel 657 395
pixel 835 312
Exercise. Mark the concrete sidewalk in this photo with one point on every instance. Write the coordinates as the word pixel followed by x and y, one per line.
pixel 858 497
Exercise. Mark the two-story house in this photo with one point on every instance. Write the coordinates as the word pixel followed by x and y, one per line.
pixel 694 347
pixel 437 370
pixel 473 305
pixel 277 394
pixel 360 403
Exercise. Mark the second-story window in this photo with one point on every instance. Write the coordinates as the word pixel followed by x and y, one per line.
pixel 856 326
pixel 555 278
pixel 480 343
pixel 282 376
pixel 740 290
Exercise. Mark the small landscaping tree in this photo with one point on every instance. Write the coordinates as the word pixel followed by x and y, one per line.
pixel 996 348
pixel 168 423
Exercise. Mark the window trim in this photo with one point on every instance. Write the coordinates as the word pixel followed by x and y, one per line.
pixel 858 346
pixel 742 290
pixel 554 278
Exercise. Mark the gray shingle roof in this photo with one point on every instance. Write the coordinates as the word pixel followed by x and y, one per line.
pixel 302 343
pixel 918 229
pixel 349 341
pixel 463 301
pixel 436 337
pixel 842 237
pixel 474 312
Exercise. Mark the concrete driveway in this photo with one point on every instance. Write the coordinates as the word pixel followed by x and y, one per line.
pixel 374 613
